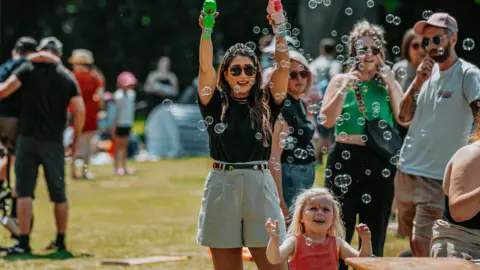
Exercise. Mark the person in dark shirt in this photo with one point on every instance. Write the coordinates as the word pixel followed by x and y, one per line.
pixel 23 50
pixel 47 90
pixel 293 153
pixel 240 192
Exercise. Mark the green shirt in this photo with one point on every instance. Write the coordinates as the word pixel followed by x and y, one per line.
pixel 377 105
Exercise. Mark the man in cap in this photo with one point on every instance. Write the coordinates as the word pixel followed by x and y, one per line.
pixel 437 108
pixel 48 89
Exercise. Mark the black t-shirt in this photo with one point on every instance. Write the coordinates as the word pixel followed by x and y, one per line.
pixel 238 138
pixel 298 148
pixel 10 106
pixel 47 90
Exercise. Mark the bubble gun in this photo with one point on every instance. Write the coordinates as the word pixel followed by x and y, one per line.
pixel 209 10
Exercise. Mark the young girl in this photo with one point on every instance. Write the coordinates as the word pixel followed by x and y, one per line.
pixel 125 117
pixel 315 238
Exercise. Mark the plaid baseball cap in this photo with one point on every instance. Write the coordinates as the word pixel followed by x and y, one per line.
pixel 442 20
pixel 25 44
pixel 51 43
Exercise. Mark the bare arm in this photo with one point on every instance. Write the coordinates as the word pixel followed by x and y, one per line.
pixel 280 126
pixel 464 189
pixel 345 250
pixel 334 99
pixel 279 254
pixel 408 105
pixel 9 86
pixel 280 74
pixel 78 109
pixel 43 57
pixel 207 77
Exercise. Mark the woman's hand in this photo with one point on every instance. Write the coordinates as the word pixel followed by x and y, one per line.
pixel 200 19
pixel 385 71
pixel 349 81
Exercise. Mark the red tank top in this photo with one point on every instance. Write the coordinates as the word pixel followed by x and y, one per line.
pixel 315 256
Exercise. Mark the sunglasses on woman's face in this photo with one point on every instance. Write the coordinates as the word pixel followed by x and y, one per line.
pixel 375 50
pixel 415 46
pixel 303 74
pixel 436 40
pixel 236 70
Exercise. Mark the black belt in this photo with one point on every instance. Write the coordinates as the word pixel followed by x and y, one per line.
pixel 231 167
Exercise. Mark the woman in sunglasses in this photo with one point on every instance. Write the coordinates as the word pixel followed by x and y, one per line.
pixel 240 193
pixel 293 153
pixel 358 175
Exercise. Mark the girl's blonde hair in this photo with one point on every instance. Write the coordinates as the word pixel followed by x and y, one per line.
pixel 298 57
pixel 297 228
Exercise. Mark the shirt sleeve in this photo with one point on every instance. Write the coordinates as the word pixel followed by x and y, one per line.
pixel 23 71
pixel 214 106
pixel 471 85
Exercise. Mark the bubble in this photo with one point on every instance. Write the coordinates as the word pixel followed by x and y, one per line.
pixel 362 53
pixel 346 155
pixel 202 125
pixel 382 124
pixel 236 89
pixel 361 121
pixel 339 48
pixel 311 152
pixel 387 135
pixel 387 98
pixel 273 159
pixel 397 21
pixel 368 172
pixel 277 166
pixel 342 180
pixel 375 114
pixel 370 3
pixel 389 18
pixel 366 198
pixel 314 109
pixel 300 132
pixel 401 73
pixel 346 116
pixel 251 45
pixel 376 106
pixel 339 121
pixel 364 89
pixel 441 51
pixel 312 4
pixel 168 103
pixel 252 81
pixel 328 173
pixel 265 31
pixel 297 153
pixel 340 58
pixel 327 2
pixel 344 190
pixel 256 30
pixel 291 130
pixel 426 14
pixel 321 119
pixel 342 136
pixel 386 173
pixel 295 32
pixel 289 159
pixel 384 71
pixel 287 102
pixel 363 138
pixel 396 49
pixel 282 144
pixel 361 66
pixel 219 128
pixel 206 91
pixel 345 39
pixel 283 135
pixel 324 150
pixel 333 33
pixel 348 11
pixel 308 240
pixel 468 44
pixel 209 120
pixel 338 166
pixel 394 160
pixel 258 136
pixel 422 133
pixel 270 85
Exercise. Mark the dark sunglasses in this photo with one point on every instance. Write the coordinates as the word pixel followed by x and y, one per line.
pixel 436 40
pixel 375 50
pixel 236 70
pixel 303 74
pixel 416 46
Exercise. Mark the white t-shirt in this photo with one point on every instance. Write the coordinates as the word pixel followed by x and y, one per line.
pixel 442 121
pixel 125 102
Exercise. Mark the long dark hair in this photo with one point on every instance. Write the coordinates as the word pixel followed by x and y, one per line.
pixel 258 97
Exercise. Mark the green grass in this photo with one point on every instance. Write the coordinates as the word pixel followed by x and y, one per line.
pixel 152 213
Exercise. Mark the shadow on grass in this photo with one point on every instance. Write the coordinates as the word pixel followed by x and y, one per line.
pixel 56 256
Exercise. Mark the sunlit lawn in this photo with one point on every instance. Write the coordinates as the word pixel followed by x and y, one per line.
pixel 152 213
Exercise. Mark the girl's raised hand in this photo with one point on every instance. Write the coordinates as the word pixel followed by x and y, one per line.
pixel 363 232
pixel 272 228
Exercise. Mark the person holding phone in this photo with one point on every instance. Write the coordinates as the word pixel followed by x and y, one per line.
pixel 356 173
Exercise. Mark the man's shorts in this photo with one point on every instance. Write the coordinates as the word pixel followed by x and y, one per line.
pixel 9 132
pixel 420 202
pixel 30 154
pixel 235 207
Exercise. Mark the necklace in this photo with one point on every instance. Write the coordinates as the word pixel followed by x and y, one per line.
pixel 241 100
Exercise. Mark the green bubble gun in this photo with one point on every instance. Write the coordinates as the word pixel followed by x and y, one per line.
pixel 209 10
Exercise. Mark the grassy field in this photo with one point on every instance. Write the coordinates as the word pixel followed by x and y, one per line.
pixel 152 213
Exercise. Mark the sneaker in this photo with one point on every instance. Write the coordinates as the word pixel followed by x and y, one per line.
pixel 17 250
pixel 54 246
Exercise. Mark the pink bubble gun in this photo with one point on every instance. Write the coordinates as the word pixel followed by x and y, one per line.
pixel 275 9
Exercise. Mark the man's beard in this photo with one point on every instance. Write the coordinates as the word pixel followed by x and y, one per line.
pixel 440 58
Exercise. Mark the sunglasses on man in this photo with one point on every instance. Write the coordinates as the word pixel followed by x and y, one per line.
pixel 303 74
pixel 436 40
pixel 236 70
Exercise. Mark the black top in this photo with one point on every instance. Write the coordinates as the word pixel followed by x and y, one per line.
pixel 473 223
pixel 47 90
pixel 10 106
pixel 236 139
pixel 298 148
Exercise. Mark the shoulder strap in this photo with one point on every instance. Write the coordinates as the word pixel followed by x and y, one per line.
pixel 360 103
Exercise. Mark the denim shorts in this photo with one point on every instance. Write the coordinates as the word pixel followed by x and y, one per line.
pixel 296 178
